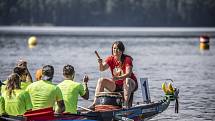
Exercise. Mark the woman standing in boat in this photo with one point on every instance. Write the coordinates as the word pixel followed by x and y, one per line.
pixel 123 79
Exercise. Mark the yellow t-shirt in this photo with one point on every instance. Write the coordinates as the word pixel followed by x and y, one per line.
pixel 19 102
pixel 2 105
pixel 44 94
pixel 24 85
pixel 71 90
pixel 3 87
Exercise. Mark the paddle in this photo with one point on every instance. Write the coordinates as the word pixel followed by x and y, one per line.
pixel 84 108
pixel 99 58
pixel 12 118
pixel 97 54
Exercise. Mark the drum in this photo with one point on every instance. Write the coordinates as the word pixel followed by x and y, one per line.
pixel 108 101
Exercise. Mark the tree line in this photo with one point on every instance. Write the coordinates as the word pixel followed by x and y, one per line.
pixel 108 12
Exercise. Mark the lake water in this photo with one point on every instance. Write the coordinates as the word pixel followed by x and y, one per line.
pixel 156 58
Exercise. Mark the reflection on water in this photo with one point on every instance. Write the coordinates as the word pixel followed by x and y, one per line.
pixel 156 58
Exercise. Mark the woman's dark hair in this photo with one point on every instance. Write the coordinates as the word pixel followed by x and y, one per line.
pixel 121 47
pixel 19 70
pixel 12 83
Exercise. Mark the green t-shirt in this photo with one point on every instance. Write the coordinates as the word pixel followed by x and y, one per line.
pixel 71 90
pixel 3 87
pixel 19 102
pixel 44 94
pixel 2 106
pixel 24 85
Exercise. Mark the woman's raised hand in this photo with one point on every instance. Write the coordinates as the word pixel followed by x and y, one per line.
pixel 100 61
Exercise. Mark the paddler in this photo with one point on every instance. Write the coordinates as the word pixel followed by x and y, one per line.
pixel 22 63
pixel 22 72
pixel 44 93
pixel 123 78
pixel 2 103
pixel 71 89
pixel 17 101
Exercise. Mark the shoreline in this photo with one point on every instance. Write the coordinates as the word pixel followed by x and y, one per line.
pixel 109 31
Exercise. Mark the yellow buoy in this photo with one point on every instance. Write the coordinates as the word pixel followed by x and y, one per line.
pixel 32 41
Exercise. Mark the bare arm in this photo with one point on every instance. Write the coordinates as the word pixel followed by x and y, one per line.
pixel 102 65
pixel 126 75
pixel 61 107
pixel 86 95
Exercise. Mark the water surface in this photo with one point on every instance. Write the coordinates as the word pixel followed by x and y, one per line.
pixel 156 58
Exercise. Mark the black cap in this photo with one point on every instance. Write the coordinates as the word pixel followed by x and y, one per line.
pixel 68 70
pixel 1 83
pixel 47 72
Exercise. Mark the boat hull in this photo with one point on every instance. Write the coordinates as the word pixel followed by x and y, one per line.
pixel 136 113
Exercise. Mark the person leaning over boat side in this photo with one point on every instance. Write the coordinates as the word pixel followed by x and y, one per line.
pixel 17 101
pixel 71 89
pixel 123 79
pixel 2 103
pixel 44 93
